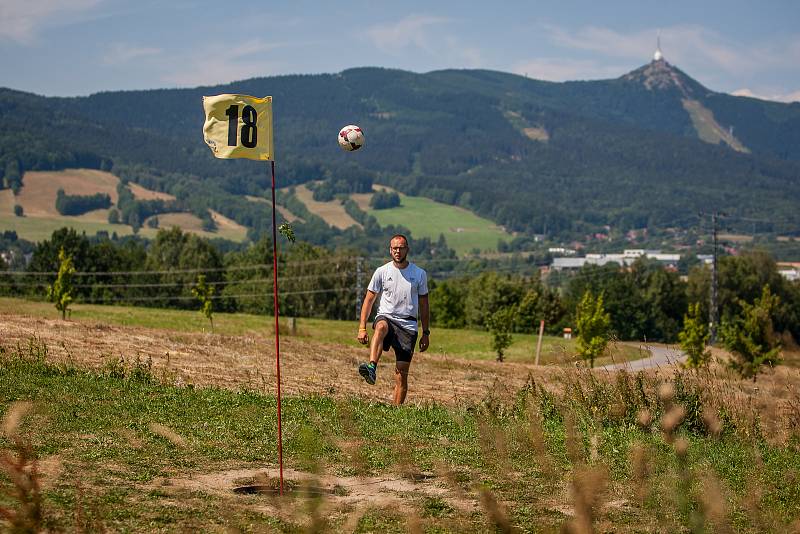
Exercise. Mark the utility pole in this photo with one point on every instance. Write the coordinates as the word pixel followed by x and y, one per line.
pixel 713 311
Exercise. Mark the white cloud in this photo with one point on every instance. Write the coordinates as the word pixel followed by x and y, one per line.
pixel 778 97
pixel 424 35
pixel 410 31
pixel 22 19
pixel 124 52
pixel 560 70
pixel 208 66
pixel 464 55
pixel 689 45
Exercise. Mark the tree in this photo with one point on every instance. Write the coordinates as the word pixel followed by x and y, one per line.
pixel 750 337
pixel 61 291
pixel 593 325
pixel 447 303
pixel 694 337
pixel 499 326
pixel 490 292
pixel 383 199
pixel 205 294
pixel 18 211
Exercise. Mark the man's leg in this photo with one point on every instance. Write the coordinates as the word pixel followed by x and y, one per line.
pixel 376 348
pixel 368 371
pixel 401 382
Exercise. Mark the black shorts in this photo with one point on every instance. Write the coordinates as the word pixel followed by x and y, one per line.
pixel 398 338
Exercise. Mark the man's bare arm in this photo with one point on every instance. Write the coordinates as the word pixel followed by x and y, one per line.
pixel 425 319
pixel 366 309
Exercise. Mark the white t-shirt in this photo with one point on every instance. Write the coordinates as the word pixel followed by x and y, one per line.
pixel 400 290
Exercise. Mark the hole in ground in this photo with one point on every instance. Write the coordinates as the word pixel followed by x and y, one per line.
pixel 298 491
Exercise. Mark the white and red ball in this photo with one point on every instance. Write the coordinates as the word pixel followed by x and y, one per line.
pixel 351 138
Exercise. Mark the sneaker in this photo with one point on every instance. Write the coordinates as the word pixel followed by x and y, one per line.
pixel 368 371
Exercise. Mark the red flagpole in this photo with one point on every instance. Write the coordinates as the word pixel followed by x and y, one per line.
pixel 277 333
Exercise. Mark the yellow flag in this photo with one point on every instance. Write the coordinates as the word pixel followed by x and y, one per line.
pixel 239 126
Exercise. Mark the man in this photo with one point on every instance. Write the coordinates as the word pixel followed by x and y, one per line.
pixel 404 297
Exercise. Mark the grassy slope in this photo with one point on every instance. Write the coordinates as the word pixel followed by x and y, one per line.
pixel 468 344
pixel 462 229
pixel 331 212
pixel 41 219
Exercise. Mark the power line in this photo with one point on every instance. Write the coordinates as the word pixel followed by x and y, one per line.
pixel 214 297
pixel 177 271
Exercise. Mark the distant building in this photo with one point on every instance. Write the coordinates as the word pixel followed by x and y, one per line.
pixel 790 270
pixel 628 257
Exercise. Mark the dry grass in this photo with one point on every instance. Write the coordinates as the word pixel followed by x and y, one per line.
pixel 142 193
pixel 331 212
pixel 7 202
pixel 542 439
pixel 536 134
pixel 39 188
pixel 20 467
pixel 226 225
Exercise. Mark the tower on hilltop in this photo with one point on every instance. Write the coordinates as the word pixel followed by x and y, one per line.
pixel 658 56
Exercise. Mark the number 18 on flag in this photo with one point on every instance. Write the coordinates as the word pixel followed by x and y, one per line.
pixel 239 126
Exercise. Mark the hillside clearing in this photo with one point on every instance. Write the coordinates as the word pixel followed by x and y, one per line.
pixel 38 196
pixel 39 188
pixel 41 228
pixel 188 222
pixel 7 202
pixel 142 193
pixel 331 212
pixel 464 230
pixel 707 127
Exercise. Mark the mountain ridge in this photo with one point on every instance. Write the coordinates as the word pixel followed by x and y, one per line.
pixel 624 151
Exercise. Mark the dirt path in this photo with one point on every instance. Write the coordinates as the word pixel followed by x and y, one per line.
pixel 659 357
pixel 249 361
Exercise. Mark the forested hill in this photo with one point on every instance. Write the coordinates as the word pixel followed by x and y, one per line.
pixel 645 149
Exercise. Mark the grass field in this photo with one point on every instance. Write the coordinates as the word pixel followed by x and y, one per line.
pixel 331 212
pixel 188 222
pixel 123 448
pixel 39 229
pixel 141 193
pixel 40 220
pixel 463 230
pixel 464 344
pixel 39 188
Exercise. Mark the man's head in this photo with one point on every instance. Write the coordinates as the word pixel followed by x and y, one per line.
pixel 398 248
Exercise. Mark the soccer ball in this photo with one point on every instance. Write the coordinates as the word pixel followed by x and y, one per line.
pixel 351 138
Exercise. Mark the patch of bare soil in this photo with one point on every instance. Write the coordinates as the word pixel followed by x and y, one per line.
pixel 337 495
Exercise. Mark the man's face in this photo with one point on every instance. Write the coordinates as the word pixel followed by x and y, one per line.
pixel 398 248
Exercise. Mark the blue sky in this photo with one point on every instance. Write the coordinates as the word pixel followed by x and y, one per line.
pixel 78 47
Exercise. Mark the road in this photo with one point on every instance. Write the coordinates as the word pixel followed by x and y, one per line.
pixel 659 357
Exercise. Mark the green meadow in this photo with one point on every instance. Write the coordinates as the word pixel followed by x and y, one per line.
pixel 125 449
pixel 463 230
